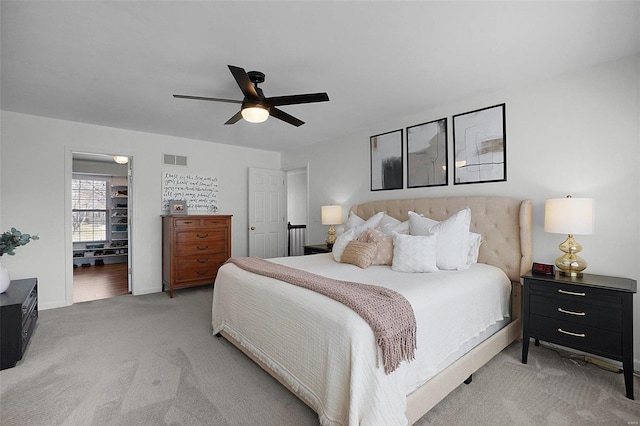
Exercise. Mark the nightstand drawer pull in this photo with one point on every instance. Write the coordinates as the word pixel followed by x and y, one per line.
pixel 572 334
pixel 572 293
pixel 571 312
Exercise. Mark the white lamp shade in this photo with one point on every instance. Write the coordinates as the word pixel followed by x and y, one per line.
pixel 568 216
pixel 331 215
pixel 121 159
pixel 255 114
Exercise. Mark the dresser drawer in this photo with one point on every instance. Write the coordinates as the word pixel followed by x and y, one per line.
pixel 574 310
pixel 199 223
pixel 198 248
pixel 203 261
pixel 187 275
pixel 207 235
pixel 582 337
pixel 29 305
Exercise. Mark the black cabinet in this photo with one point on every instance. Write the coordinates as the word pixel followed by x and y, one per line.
pixel 591 313
pixel 315 249
pixel 18 316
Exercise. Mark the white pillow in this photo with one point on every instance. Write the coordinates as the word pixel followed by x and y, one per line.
pixel 355 221
pixel 452 248
pixel 390 224
pixel 473 243
pixel 414 253
pixel 341 243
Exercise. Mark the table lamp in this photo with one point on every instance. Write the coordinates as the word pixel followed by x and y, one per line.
pixel 569 216
pixel 331 215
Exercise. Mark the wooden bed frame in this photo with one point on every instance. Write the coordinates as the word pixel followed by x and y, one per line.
pixel 506 227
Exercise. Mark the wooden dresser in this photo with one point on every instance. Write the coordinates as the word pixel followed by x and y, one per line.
pixel 193 248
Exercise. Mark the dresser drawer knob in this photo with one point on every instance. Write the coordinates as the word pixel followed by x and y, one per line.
pixel 203 272
pixel 187 222
pixel 572 334
pixel 571 312
pixel 572 293
pixel 202 260
pixel 202 248
pixel 202 236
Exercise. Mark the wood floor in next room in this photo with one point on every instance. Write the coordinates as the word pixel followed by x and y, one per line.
pixel 99 282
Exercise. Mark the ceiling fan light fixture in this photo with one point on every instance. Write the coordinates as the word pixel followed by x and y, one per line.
pixel 255 113
pixel 121 159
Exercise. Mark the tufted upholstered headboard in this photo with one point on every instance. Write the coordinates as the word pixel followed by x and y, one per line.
pixel 504 223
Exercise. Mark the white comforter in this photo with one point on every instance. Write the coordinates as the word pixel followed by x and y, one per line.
pixel 327 353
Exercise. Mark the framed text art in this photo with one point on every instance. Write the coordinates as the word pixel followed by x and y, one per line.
pixel 386 161
pixel 427 154
pixel 479 145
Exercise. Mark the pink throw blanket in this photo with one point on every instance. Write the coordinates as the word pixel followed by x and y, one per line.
pixel 388 313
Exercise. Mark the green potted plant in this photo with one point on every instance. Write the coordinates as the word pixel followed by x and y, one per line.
pixel 9 241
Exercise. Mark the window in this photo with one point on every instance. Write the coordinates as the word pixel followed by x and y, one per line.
pixel 89 209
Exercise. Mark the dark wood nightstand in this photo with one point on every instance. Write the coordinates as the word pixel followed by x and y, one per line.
pixel 315 249
pixel 18 316
pixel 592 313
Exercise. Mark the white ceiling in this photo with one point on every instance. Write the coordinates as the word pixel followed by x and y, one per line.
pixel 117 63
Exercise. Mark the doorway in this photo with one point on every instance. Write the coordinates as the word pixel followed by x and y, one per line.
pixel 101 225
pixel 297 210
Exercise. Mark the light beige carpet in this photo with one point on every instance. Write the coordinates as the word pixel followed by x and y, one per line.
pixel 151 360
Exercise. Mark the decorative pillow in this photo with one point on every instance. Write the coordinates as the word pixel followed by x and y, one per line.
pixel 341 243
pixel 359 254
pixel 414 253
pixel 452 235
pixel 355 221
pixel 384 246
pixel 473 243
pixel 389 224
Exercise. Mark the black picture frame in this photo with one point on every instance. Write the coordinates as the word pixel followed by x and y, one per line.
pixel 387 169
pixel 427 154
pixel 480 146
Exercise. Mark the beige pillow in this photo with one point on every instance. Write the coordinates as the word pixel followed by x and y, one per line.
pixel 384 246
pixel 359 254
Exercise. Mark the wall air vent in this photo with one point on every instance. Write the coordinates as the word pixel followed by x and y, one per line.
pixel 174 160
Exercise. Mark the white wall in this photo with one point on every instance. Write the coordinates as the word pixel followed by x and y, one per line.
pixel 576 134
pixel 35 169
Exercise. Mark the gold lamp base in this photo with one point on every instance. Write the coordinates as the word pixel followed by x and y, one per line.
pixel 570 263
pixel 331 236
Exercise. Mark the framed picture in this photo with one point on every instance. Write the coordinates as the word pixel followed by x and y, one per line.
pixel 177 207
pixel 386 161
pixel 480 146
pixel 427 154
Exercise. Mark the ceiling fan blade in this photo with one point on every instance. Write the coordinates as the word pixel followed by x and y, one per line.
pixel 243 81
pixel 237 117
pixel 201 98
pixel 281 115
pixel 297 99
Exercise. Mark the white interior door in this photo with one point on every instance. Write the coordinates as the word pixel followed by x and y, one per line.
pixel 267 212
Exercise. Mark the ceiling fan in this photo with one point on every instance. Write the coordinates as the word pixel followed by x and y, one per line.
pixel 256 108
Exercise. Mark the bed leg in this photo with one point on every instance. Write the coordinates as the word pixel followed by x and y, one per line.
pixel 469 379
pixel 218 335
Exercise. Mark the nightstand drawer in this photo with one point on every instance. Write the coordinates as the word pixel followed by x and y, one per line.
pixel 582 313
pixel 576 293
pixel 582 337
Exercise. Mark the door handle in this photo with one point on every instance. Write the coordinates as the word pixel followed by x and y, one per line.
pixel 253 228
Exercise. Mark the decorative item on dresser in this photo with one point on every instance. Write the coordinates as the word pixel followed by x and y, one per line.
pixel 591 313
pixel 18 316
pixel 193 248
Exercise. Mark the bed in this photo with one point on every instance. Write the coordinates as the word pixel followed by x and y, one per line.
pixel 326 354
